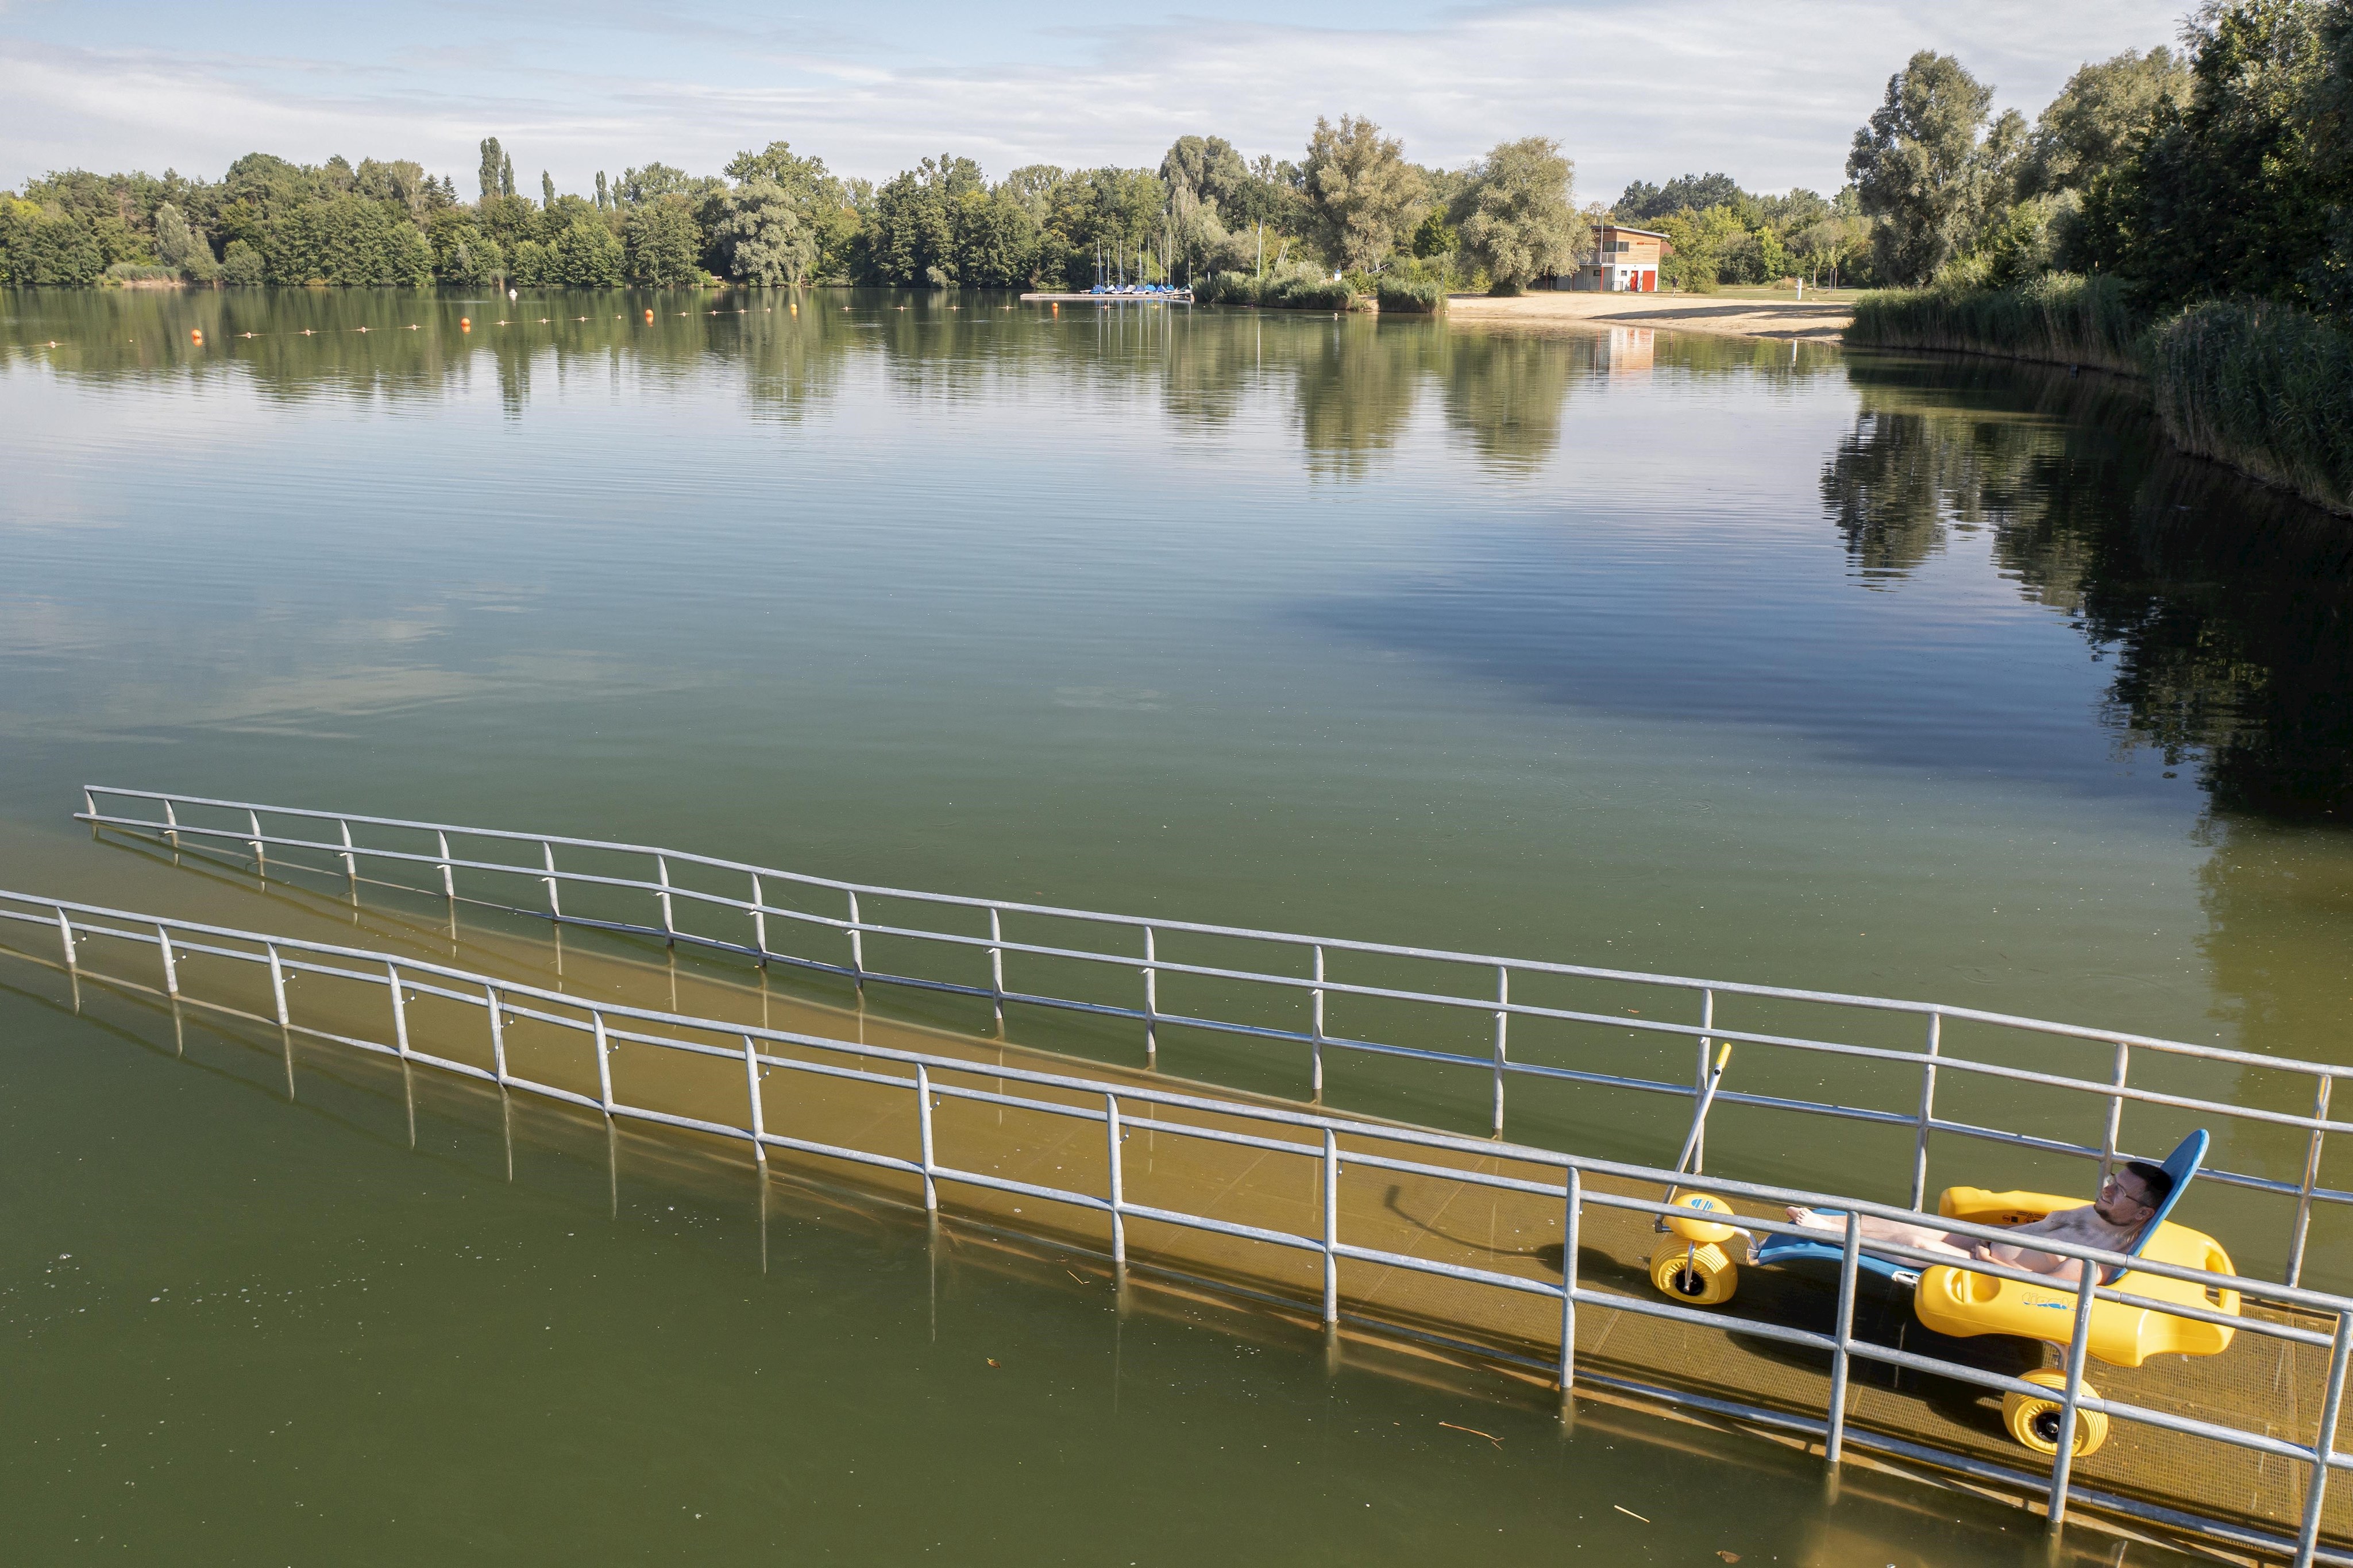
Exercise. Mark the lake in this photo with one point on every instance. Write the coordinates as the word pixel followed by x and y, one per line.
pixel 1910 677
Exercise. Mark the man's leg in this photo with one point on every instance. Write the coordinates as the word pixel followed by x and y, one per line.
pixel 1887 1232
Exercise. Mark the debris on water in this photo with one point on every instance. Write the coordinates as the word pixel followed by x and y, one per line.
pixel 1728 1556
pixel 1629 1513
pixel 994 1361
pixel 1474 1432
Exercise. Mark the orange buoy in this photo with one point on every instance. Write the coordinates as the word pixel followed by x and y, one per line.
pixel 465 324
pixel 196 335
pixel 650 315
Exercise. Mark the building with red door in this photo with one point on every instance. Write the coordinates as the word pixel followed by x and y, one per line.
pixel 1625 260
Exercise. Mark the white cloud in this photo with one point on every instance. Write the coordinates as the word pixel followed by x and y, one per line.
pixel 1769 90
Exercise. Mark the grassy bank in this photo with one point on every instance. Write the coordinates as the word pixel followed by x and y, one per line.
pixel 1297 292
pixel 2262 388
pixel 2060 317
pixel 2265 388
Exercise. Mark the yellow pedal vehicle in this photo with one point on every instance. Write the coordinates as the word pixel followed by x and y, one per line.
pixel 1952 1300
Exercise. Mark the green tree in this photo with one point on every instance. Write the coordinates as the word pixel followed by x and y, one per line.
pixel 2100 117
pixel 761 235
pixel 241 265
pixel 662 243
pixel 42 245
pixel 1361 192
pixel 1921 170
pixel 1700 241
pixel 462 253
pixel 2247 188
pixel 651 183
pixel 996 240
pixel 1642 203
pixel 805 180
pixel 1436 237
pixel 178 245
pixel 1518 217
pixel 588 256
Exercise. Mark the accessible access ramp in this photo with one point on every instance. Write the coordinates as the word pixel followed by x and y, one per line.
pixel 1507 1020
pixel 1249 1195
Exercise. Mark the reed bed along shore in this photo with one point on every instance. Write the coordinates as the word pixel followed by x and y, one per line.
pixel 2263 387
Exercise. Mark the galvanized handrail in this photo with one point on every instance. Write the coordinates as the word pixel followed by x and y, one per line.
pixel 2113 1091
pixel 607 1024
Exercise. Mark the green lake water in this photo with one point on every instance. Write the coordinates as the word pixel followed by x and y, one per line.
pixel 1929 679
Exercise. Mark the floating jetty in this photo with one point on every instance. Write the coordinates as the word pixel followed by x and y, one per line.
pixel 1512 1255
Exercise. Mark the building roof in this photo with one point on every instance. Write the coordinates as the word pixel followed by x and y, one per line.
pixel 1630 228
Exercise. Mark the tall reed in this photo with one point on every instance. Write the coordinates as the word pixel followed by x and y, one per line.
pixel 2060 317
pixel 2263 388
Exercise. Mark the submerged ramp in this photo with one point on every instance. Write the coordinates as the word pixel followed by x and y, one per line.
pixel 1525 1256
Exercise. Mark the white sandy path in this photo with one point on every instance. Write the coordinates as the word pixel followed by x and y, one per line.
pixel 1550 310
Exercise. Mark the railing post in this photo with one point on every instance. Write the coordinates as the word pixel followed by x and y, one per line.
pixel 1118 1186
pixel 661 870
pixel 2311 1180
pixel 1151 1006
pixel 65 933
pixel 2116 1109
pixel 171 969
pixel 1331 1227
pixel 278 986
pixel 399 1012
pixel 2063 1463
pixel 759 1122
pixel 924 1132
pixel 856 946
pixel 497 1033
pixel 1850 1266
pixel 2308 1538
pixel 1318 1048
pixel 996 965
pixel 172 825
pixel 1927 1113
pixel 351 861
pixel 1502 1022
pixel 760 920
pixel 89 809
pixel 555 905
pixel 1699 1084
pixel 604 1066
pixel 1573 1204
pixel 448 878
pixel 253 825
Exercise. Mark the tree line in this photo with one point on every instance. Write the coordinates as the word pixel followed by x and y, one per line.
pixel 1351 204
pixel 2220 170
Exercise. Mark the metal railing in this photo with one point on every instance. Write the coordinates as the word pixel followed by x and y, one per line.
pixel 191 818
pixel 604 1028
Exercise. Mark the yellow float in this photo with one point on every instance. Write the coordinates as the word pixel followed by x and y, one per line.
pixel 1955 1301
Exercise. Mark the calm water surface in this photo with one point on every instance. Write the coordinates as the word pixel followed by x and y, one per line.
pixel 1912 678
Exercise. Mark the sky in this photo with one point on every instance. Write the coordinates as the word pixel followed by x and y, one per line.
pixel 1770 91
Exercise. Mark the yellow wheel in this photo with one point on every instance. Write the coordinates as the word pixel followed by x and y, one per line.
pixel 2035 1421
pixel 1695 1275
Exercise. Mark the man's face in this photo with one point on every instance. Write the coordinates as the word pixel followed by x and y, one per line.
pixel 2123 1199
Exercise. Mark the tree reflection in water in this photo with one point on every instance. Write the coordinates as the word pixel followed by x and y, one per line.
pixel 2223 605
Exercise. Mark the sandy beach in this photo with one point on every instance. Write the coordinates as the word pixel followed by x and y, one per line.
pixel 1750 317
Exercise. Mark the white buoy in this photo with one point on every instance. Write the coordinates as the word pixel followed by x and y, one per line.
pixel 510 293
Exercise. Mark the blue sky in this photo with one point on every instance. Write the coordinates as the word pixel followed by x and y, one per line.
pixel 1769 90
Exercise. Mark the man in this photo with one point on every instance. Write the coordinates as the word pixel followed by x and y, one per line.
pixel 2127 1200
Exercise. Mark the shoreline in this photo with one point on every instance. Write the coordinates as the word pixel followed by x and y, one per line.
pixel 1564 311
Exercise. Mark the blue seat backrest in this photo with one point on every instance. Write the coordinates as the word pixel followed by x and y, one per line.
pixel 2181 1164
